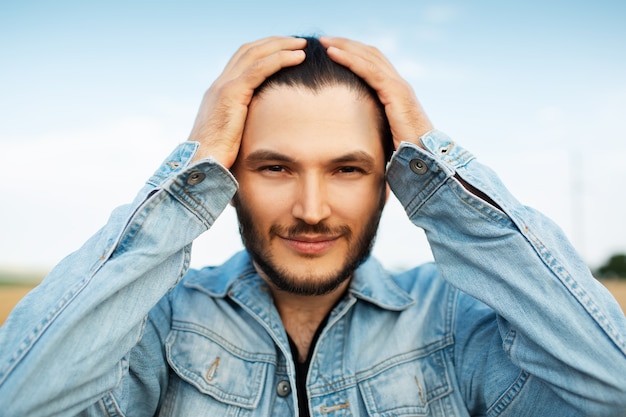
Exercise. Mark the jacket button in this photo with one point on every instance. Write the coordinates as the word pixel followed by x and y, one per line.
pixel 283 388
pixel 418 166
pixel 195 178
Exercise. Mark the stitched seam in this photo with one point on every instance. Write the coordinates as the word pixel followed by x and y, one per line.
pixel 508 396
pixel 111 406
pixel 577 291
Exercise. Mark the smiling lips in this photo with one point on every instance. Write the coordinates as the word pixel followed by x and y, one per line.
pixel 310 245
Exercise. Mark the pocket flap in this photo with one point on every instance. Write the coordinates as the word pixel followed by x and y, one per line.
pixel 231 376
pixel 405 385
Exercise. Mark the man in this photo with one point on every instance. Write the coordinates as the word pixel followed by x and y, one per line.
pixel 508 323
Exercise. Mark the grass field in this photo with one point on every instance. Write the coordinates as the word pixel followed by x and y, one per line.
pixel 11 294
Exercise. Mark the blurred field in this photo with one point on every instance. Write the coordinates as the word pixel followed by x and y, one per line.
pixel 618 289
pixel 11 294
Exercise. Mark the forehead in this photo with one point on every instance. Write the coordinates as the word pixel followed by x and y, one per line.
pixel 301 122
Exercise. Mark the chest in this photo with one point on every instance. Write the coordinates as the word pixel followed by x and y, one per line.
pixel 359 367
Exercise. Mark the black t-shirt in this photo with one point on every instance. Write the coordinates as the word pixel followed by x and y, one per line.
pixel 302 369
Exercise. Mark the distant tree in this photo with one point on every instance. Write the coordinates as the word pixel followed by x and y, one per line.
pixel 615 267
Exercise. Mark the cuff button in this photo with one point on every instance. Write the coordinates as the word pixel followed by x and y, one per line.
pixel 418 166
pixel 195 178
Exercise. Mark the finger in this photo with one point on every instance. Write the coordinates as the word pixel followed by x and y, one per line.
pixel 365 61
pixel 381 78
pixel 253 51
pixel 366 52
pixel 262 68
pixel 256 61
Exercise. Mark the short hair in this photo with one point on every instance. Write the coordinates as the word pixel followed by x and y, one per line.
pixel 318 71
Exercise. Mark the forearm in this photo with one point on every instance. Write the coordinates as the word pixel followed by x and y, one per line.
pixel 76 327
pixel 560 324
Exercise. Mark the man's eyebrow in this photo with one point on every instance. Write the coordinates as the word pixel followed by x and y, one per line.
pixel 266 155
pixel 263 155
pixel 360 157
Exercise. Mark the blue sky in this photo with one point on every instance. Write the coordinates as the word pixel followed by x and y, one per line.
pixel 94 95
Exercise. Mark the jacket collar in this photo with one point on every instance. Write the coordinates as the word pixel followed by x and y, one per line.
pixel 371 282
pixel 374 284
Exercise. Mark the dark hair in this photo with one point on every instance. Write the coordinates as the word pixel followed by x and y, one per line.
pixel 319 71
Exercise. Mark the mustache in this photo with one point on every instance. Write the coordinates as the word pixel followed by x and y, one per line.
pixel 303 228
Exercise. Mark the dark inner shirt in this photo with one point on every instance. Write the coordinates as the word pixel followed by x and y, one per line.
pixel 302 369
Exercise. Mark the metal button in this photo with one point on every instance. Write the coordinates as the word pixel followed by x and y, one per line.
pixel 418 166
pixel 283 388
pixel 195 178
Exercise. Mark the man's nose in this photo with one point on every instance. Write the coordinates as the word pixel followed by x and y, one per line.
pixel 311 205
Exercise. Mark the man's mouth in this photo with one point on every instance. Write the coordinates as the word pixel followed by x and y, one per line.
pixel 310 244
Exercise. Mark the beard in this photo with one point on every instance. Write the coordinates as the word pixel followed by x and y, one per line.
pixel 359 249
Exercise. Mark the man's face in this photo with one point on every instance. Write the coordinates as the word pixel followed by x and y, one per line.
pixel 311 186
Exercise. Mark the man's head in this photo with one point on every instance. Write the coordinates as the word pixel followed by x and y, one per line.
pixel 311 174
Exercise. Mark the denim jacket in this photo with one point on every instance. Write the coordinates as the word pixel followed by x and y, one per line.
pixel 507 322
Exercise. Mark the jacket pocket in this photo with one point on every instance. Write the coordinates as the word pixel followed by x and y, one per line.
pixel 225 372
pixel 405 385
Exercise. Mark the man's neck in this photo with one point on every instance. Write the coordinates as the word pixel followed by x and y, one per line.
pixel 302 315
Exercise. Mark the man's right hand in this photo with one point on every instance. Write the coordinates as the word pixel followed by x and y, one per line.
pixel 222 115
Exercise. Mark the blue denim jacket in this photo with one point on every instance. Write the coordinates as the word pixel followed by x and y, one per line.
pixel 508 322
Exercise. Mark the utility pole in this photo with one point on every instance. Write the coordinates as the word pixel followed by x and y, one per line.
pixel 577 198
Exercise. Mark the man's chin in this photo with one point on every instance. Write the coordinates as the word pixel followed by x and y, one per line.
pixel 302 283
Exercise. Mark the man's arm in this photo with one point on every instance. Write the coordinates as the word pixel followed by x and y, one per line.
pixel 66 344
pixel 556 322
pixel 562 330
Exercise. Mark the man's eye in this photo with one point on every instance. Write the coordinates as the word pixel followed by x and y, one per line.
pixel 273 168
pixel 350 170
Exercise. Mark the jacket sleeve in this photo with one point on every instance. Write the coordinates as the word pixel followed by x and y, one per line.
pixel 561 333
pixel 67 343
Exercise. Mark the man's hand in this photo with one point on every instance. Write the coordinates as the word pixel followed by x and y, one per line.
pixel 407 119
pixel 222 115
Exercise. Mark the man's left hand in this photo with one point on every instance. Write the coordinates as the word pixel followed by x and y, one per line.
pixel 407 119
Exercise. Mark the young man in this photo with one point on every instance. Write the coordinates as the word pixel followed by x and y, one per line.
pixel 509 322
